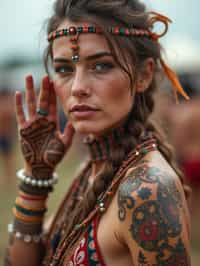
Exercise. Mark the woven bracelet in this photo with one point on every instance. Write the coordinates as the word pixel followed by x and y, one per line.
pixel 27 218
pixel 26 228
pixel 35 191
pixel 31 212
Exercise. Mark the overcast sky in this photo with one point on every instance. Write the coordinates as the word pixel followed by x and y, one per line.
pixel 21 27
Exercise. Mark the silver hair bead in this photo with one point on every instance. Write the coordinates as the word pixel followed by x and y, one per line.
pixel 102 207
pixel 137 153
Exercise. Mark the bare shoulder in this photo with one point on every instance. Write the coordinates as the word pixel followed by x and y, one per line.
pixel 151 213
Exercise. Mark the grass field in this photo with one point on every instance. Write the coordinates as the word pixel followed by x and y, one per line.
pixel 66 170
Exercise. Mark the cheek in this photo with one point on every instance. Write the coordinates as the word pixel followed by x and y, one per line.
pixel 119 94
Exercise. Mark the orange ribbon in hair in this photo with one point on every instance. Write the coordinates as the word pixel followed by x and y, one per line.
pixel 172 76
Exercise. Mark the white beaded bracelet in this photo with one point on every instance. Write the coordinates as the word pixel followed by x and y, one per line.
pixel 25 237
pixel 37 182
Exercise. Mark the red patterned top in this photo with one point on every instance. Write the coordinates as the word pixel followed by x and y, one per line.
pixel 87 252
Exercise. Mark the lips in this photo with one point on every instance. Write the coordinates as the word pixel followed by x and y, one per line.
pixel 83 108
pixel 83 112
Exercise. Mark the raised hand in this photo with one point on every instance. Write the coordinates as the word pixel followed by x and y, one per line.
pixel 43 145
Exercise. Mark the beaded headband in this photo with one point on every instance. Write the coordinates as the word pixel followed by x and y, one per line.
pixel 74 32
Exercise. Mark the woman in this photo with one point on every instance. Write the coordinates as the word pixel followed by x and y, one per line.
pixel 127 206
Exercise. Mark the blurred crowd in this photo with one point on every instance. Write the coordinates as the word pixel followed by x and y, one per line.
pixel 7 134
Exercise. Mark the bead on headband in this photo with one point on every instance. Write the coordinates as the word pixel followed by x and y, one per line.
pixel 74 32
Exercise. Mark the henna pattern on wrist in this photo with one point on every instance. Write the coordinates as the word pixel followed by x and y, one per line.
pixel 42 149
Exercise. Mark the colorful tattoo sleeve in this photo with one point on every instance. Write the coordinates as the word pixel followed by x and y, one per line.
pixel 150 206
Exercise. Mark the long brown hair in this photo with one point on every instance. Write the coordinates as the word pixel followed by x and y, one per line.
pixel 124 13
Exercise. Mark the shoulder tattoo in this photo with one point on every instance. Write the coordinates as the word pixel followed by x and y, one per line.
pixel 156 218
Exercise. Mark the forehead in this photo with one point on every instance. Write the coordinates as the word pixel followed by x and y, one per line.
pixel 89 43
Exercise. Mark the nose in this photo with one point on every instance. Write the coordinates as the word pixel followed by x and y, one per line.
pixel 80 85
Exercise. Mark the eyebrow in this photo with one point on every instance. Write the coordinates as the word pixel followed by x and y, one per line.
pixel 87 58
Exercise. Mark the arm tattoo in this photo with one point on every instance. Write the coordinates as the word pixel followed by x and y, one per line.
pixel 41 148
pixel 155 221
pixel 132 183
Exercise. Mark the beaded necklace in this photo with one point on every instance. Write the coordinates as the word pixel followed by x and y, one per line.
pixel 104 199
pixel 67 205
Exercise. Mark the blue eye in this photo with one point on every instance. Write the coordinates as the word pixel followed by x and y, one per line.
pixel 64 69
pixel 103 66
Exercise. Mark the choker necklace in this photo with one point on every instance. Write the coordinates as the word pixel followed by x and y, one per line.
pixel 100 148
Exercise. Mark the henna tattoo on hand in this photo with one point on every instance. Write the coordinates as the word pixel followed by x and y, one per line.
pixel 155 222
pixel 42 149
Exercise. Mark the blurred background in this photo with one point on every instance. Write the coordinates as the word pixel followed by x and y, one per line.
pixel 22 42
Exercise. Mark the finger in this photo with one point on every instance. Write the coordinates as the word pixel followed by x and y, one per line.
pixel 44 94
pixel 68 134
pixel 30 96
pixel 19 109
pixel 53 114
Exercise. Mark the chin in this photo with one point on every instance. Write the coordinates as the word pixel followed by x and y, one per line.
pixel 85 128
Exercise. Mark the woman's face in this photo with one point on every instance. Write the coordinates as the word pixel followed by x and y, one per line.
pixel 95 92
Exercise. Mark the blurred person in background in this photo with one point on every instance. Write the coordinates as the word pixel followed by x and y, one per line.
pixel 184 121
pixel 128 206
pixel 7 135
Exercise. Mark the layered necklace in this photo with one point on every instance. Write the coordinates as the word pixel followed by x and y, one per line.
pixel 100 149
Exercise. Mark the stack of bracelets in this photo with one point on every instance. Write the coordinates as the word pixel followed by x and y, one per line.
pixel 30 207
